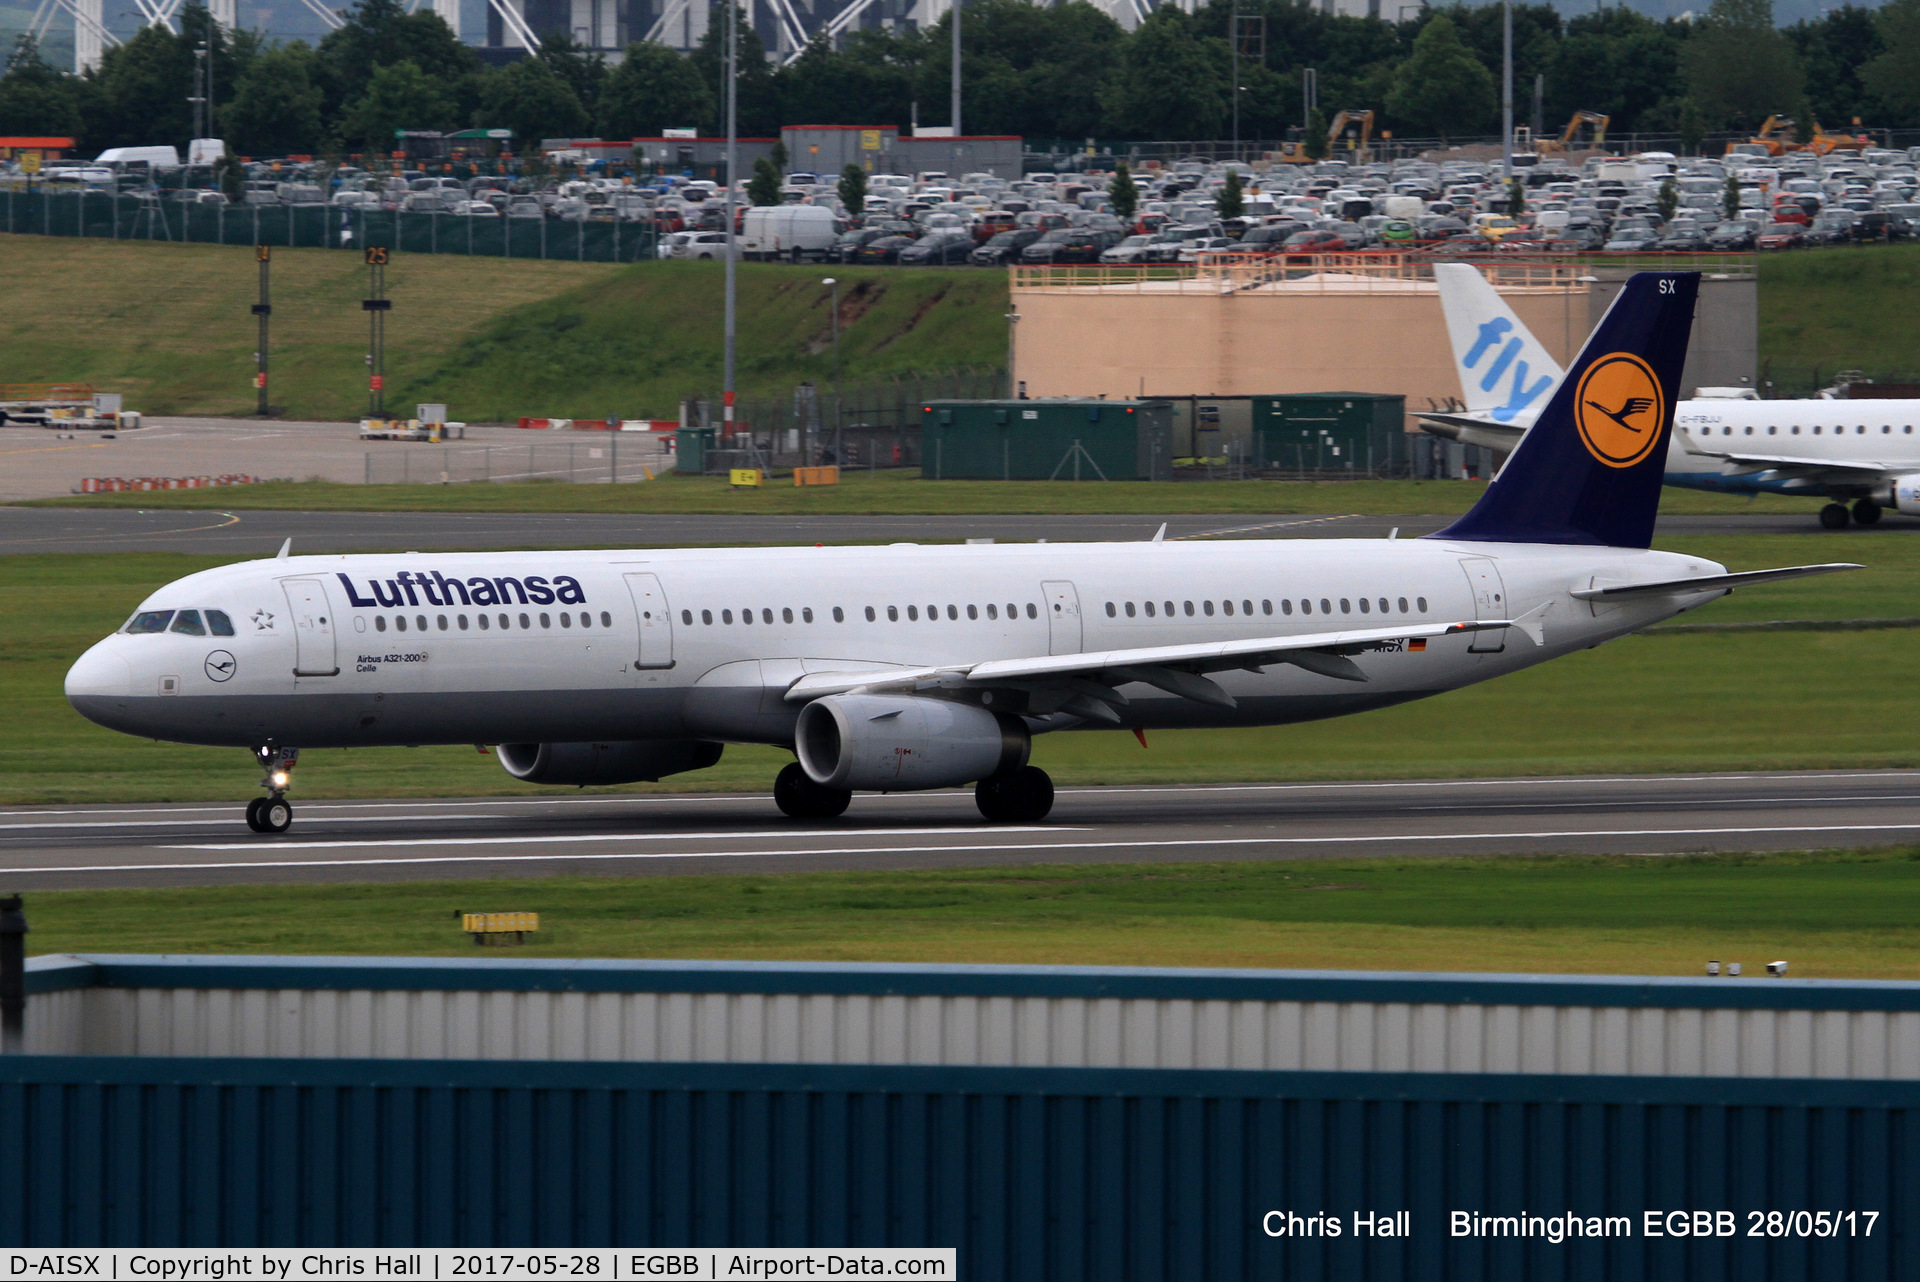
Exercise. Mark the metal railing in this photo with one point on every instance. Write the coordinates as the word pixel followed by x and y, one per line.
pixel 596 458
pixel 1357 272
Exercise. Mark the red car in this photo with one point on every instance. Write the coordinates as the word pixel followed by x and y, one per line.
pixel 1783 236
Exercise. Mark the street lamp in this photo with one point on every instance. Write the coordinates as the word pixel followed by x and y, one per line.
pixel 833 284
pixel 1017 390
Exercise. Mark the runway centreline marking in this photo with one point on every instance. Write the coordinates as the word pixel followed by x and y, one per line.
pixel 560 838
pixel 976 848
pixel 401 803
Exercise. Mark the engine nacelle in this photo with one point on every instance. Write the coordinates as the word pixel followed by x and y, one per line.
pixel 899 743
pixel 635 761
pixel 1904 497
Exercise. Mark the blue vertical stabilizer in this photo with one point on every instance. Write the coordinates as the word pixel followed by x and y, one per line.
pixel 1589 470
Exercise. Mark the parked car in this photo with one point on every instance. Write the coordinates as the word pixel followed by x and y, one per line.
pixel 849 242
pixel 1731 236
pixel 1834 227
pixel 1004 247
pixel 883 249
pixel 702 244
pixel 1134 249
pixel 476 209
pixel 1067 245
pixel 937 249
pixel 1782 236
pixel 792 232
pixel 1878 224
pixel 1683 238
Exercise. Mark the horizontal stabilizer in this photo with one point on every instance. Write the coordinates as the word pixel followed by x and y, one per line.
pixel 1711 582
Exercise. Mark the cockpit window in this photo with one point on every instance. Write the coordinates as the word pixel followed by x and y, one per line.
pixel 149 621
pixel 219 624
pixel 187 623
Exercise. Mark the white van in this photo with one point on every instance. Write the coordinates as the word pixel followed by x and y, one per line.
pixel 787 231
pixel 153 157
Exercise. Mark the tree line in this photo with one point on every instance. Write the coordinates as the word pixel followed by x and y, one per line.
pixel 1064 72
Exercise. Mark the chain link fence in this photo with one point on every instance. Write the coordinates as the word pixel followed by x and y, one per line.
pixel 143 216
pixel 586 458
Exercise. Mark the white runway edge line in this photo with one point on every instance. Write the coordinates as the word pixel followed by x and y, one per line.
pixel 977 848
pixel 949 794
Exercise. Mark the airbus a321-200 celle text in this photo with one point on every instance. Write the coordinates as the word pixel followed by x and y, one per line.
pixel 901 668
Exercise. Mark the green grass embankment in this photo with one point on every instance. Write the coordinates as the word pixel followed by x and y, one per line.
pixel 1714 701
pixel 1829 915
pixel 170 327
pixel 891 493
pixel 1842 308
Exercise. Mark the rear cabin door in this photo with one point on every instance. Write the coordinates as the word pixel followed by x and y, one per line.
pixel 656 621
pixel 313 621
pixel 1063 617
pixel 1489 602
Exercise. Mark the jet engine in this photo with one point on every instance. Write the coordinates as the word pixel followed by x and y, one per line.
pixel 1902 494
pixel 900 743
pixel 635 761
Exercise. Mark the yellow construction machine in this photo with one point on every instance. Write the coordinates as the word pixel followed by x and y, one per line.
pixel 1570 136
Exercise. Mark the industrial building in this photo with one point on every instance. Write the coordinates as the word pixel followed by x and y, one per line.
pixel 1055 1122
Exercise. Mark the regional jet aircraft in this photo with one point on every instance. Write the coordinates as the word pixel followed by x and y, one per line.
pixel 900 668
pixel 1863 451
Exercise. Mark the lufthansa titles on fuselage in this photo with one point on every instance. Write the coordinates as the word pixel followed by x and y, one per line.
pixel 438 589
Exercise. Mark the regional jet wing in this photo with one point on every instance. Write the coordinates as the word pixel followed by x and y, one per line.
pixel 1710 582
pixel 1087 679
pixel 1469 428
pixel 1782 461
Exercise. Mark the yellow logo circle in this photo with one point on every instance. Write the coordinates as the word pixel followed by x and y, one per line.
pixel 1620 409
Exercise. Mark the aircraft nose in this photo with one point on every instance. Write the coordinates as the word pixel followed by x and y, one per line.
pixel 100 673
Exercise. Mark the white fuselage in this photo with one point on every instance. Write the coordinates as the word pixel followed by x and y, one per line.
pixel 1869 441
pixel 340 651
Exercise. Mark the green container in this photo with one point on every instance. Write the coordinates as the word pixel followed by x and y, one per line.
pixel 1065 439
pixel 1363 433
pixel 690 446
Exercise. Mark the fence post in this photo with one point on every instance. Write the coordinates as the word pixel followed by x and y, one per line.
pixel 369 459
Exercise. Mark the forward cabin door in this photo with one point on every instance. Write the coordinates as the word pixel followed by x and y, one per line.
pixel 313 621
pixel 1489 602
pixel 1063 617
pixel 656 621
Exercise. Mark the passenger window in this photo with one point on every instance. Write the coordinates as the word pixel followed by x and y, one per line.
pixel 1403 605
pixel 1286 606
pixel 379 623
pixel 686 617
pixel 933 613
pixel 1168 607
pixel 463 623
pixel 1383 605
pixel 1363 606
pixel 219 624
pixel 1207 606
pixel 869 614
pixel 1189 608
pixel 1112 613
pixel 187 623
pixel 1749 431
pixel 1149 608
pixel 766 615
pixel 421 620
pixel 606 620
pixel 1246 608
pixel 953 613
pixel 706 617
pixel 806 614
pixel 1266 607
pixel 524 623
pixel 1227 608
pixel 893 614
pixel 484 622
pixel 786 614
pixel 1344 607
pixel 1796 431
pixel 1772 430
pixel 545 622
pixel 1422 603
pixel 506 622
pixel 1032 612
pixel 400 622
pixel 442 621
pixel 566 619
pixel 746 617
pixel 1129 609
pixel 973 612
pixel 1326 606
pixel 838 616
pixel 150 621
pixel 1306 607
pixel 993 611
pixel 913 613
pixel 1816 431
pixel 726 616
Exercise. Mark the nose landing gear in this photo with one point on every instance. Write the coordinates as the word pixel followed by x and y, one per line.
pixel 272 813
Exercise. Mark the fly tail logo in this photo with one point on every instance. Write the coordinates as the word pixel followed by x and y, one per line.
pixel 1520 393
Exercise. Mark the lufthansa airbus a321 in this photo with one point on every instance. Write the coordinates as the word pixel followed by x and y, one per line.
pixel 901 668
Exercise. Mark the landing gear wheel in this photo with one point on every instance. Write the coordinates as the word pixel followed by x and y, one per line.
pixel 275 815
pixel 1834 516
pixel 253 813
pixel 1019 796
pixel 1866 511
pixel 801 798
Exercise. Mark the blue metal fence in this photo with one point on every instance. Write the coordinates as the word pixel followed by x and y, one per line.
pixel 1032 1173
pixel 141 216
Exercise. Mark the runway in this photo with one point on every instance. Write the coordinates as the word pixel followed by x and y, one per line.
pixel 676 834
pixel 245 534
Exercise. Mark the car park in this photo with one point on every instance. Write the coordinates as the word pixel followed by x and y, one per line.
pixel 939 248
pixel 1004 247
pixel 1782 236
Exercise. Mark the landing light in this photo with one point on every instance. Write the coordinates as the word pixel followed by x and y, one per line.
pixel 279 778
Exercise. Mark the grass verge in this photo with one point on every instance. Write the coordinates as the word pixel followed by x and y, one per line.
pixel 1694 701
pixel 892 493
pixel 1829 914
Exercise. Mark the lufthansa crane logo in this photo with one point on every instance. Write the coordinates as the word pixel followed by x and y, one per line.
pixel 1619 409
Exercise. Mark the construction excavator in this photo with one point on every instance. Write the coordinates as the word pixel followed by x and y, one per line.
pixel 1348 137
pixel 1776 135
pixel 1570 137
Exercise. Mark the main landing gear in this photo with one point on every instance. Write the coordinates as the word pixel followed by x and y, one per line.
pixel 1020 796
pixel 271 813
pixel 801 798
pixel 1834 516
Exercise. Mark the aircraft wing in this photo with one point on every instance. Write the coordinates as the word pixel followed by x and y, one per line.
pixel 1782 462
pixel 1472 429
pixel 1084 682
pixel 1710 582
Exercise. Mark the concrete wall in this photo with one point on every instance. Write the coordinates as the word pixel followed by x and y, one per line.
pixel 1039 1017
pixel 1116 342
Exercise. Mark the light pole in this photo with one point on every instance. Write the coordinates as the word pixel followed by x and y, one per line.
pixel 1506 95
pixel 833 284
pixel 732 63
pixel 1014 388
pixel 956 68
